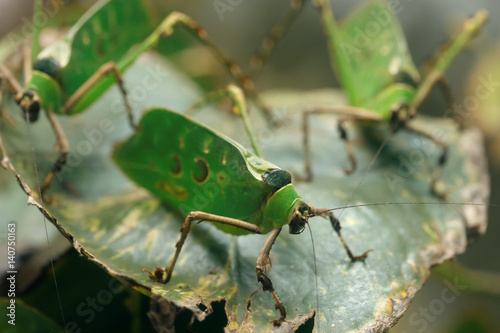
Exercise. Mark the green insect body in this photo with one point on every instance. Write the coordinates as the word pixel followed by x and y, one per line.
pixel 209 177
pixel 193 168
pixel 105 33
pixel 371 57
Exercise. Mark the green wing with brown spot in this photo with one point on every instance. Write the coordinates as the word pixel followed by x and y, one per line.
pixel 193 168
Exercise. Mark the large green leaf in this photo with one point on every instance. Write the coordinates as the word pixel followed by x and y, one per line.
pixel 123 229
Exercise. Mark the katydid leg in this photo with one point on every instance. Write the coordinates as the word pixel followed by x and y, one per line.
pixel 267 285
pixel 62 143
pixel 63 146
pixel 347 113
pixel 441 161
pixel 269 42
pixel 166 29
pixel 336 226
pixel 164 275
pixel 109 68
pixel 348 146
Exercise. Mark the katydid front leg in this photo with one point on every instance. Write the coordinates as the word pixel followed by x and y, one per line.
pixel 269 42
pixel 164 275
pixel 336 226
pixel 63 146
pixel 267 285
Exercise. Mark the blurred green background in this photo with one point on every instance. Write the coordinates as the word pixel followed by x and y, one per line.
pixel 301 61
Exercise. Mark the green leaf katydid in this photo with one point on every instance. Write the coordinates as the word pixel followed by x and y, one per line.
pixel 370 56
pixel 73 73
pixel 177 159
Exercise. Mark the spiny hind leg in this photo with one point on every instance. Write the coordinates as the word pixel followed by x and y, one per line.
pixel 262 261
pixel 164 275
pixel 269 42
pixel 166 29
pixel 239 107
pixel 346 113
pixel 109 68
pixel 336 226
pixel 441 161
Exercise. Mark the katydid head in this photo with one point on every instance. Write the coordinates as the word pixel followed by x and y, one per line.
pixel 29 101
pixel 400 114
pixel 300 214
pixel 42 91
pixel 44 72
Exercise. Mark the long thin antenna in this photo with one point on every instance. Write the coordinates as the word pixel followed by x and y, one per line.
pixel 409 203
pixel 33 156
pixel 29 58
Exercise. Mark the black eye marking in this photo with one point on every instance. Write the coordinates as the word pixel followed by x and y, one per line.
pixel 204 171
pixel 178 167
